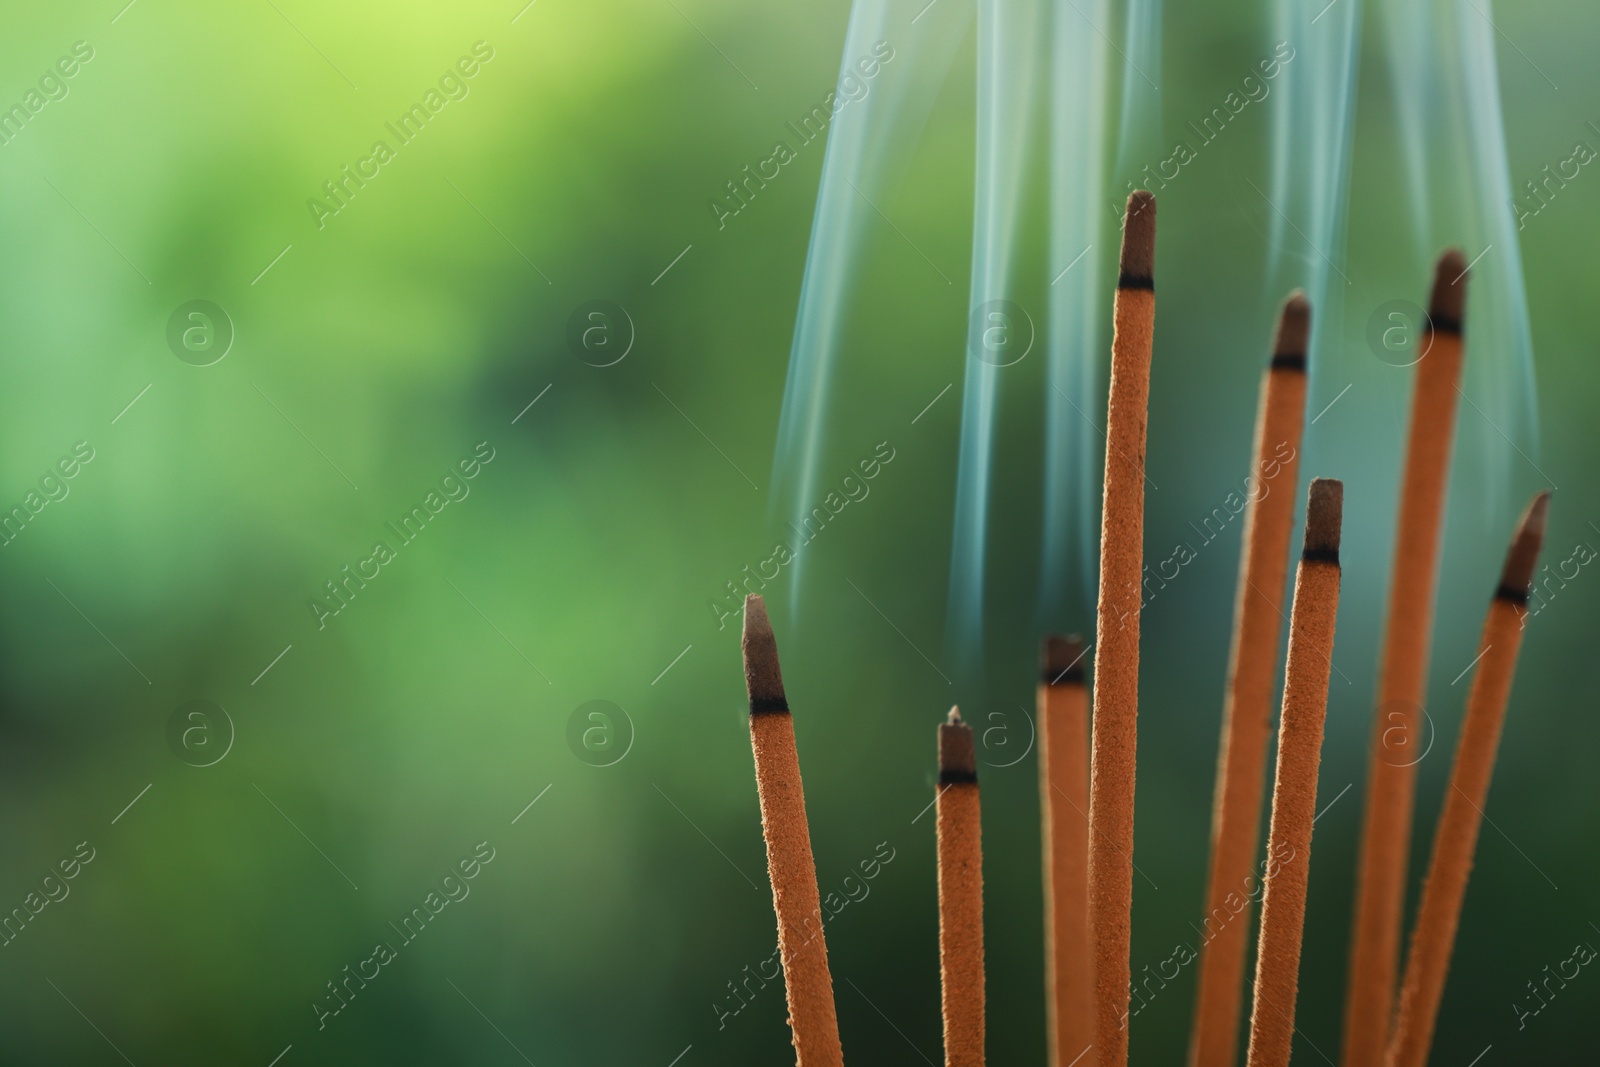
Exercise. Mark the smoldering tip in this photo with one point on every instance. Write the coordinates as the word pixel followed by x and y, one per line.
pixel 1448 306
pixel 1324 516
pixel 763 679
pixel 1061 659
pixel 1294 333
pixel 958 755
pixel 1523 555
pixel 1138 264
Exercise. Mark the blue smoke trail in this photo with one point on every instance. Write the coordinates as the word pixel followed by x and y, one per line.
pixel 1139 129
pixel 1447 102
pixel 1309 187
pixel 859 163
pixel 1078 304
pixel 1500 369
pixel 1411 33
pixel 1009 82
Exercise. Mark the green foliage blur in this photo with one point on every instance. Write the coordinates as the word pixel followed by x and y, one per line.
pixel 370 755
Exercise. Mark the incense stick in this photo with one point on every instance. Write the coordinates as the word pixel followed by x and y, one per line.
pixel 1456 838
pixel 790 866
pixel 1063 805
pixel 960 836
pixel 1294 789
pixel 1116 664
pixel 1252 669
pixel 1402 675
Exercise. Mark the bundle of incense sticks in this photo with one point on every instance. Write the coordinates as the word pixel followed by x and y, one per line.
pixel 1086 779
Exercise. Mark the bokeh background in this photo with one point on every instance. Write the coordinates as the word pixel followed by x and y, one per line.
pixel 353 764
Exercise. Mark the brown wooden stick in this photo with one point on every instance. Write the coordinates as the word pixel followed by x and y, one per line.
pixel 1247 709
pixel 793 871
pixel 1116 663
pixel 960 834
pixel 1064 822
pixel 1403 675
pixel 1456 838
pixel 1294 790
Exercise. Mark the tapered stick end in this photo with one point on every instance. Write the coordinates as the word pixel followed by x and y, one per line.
pixel 1294 331
pixel 1324 517
pixel 1139 242
pixel 1448 305
pixel 958 755
pixel 762 677
pixel 1523 555
pixel 1061 659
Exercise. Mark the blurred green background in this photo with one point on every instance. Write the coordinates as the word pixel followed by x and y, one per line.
pixel 372 755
